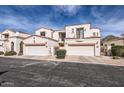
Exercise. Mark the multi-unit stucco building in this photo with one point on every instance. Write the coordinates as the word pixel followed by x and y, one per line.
pixel 81 40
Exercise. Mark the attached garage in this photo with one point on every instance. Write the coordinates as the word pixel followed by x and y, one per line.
pixel 37 50
pixel 81 49
pixel 39 46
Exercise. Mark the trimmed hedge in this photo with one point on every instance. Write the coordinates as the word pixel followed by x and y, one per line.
pixel 60 53
pixel 10 53
pixel 117 51
pixel 1 52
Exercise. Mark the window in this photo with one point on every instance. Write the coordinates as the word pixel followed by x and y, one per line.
pixel 72 30
pixel 94 34
pixel 42 33
pixel 6 36
pixel 62 36
pixel 80 33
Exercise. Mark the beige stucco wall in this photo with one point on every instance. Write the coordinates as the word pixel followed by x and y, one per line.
pixel 48 32
pixel 119 42
pixel 0 36
pixel 16 42
pixel 87 33
pixel 24 35
pixel 6 46
pixel 56 34
pixel 50 44
pixel 13 37
pixel 1 46
pixel 38 40
pixel 31 40
pixel 116 42
pixel 10 32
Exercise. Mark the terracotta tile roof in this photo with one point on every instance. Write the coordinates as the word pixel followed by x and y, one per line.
pixel 82 44
pixel 93 37
pixel 35 44
pixel 71 38
pixel 41 37
pixel 83 38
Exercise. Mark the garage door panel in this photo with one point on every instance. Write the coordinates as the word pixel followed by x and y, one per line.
pixel 37 50
pixel 81 50
pixel 1 48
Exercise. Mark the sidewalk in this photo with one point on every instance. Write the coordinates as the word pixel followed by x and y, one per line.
pixel 105 60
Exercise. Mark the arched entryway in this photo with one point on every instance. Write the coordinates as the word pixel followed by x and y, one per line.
pixel 12 46
pixel 21 48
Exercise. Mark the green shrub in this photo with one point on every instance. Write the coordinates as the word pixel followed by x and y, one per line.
pixel 115 57
pixel 117 51
pixel 60 53
pixel 10 53
pixel 1 52
pixel 113 51
pixel 122 54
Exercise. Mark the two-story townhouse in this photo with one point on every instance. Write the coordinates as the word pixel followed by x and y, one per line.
pixel 44 32
pixel 40 44
pixel 82 40
pixel 11 40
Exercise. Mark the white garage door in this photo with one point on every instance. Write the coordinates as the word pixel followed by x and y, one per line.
pixel 37 50
pixel 81 50
pixel 1 48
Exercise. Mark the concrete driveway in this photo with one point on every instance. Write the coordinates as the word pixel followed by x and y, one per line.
pixel 104 60
pixel 31 73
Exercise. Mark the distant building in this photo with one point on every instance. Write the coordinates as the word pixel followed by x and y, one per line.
pixel 117 41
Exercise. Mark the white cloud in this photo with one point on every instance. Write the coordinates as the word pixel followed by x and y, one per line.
pixel 112 26
pixel 69 10
pixel 97 14
pixel 23 23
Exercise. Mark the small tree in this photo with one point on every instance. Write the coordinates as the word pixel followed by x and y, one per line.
pixel 1 52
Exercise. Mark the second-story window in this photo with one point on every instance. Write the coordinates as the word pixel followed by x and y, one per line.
pixel 6 36
pixel 80 33
pixel 42 33
pixel 72 31
pixel 94 34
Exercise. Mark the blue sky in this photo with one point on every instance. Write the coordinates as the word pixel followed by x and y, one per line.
pixel 110 19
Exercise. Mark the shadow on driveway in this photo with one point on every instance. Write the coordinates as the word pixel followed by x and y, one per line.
pixel 32 73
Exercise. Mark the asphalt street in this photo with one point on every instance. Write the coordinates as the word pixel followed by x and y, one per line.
pixel 32 73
